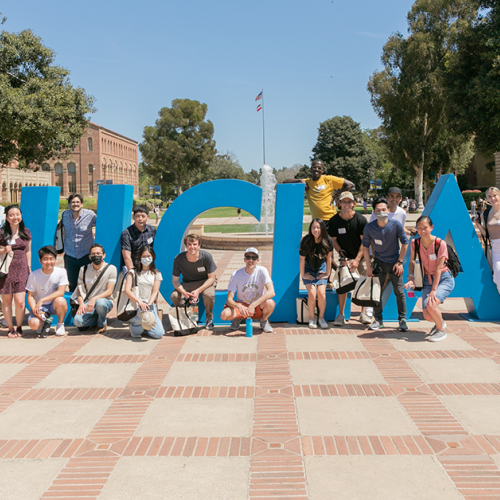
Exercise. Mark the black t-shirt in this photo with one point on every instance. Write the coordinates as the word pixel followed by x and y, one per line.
pixel 312 261
pixel 348 233
pixel 132 239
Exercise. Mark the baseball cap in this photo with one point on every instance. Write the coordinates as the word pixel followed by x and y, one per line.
pixel 252 250
pixel 394 190
pixel 346 194
pixel 148 320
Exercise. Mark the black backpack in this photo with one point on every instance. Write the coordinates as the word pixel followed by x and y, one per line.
pixel 452 263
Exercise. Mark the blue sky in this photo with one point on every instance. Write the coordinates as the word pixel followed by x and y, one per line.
pixel 312 58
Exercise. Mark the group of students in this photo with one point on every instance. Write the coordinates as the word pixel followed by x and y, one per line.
pixel 374 248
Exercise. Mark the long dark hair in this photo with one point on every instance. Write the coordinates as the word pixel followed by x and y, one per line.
pixel 138 263
pixel 7 231
pixel 309 243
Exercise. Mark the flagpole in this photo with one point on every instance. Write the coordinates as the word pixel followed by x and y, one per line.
pixel 263 131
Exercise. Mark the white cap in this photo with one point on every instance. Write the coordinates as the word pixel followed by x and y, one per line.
pixel 148 320
pixel 252 250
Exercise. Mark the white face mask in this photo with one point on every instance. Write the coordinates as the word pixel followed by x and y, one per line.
pixel 146 261
pixel 382 215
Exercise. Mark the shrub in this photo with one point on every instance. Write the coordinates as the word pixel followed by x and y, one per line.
pixel 472 195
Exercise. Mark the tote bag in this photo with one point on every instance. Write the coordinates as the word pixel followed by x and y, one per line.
pixel 5 264
pixel 303 311
pixel 367 292
pixel 181 323
pixel 344 280
pixel 126 308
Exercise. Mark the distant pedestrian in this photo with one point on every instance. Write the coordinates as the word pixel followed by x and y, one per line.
pixel 365 206
pixel 238 211
pixel 473 208
pixel 157 213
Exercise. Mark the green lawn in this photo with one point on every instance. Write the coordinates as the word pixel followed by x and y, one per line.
pixel 241 228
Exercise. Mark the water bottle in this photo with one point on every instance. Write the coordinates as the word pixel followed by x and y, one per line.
pixel 249 327
pixel 411 291
pixel 193 314
pixel 45 330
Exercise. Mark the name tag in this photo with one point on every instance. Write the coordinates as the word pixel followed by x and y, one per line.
pixel 498 222
pixel 88 280
pixel 201 269
pixel 320 188
pixel 150 240
pixel 83 228
pixel 11 242
pixel 378 242
pixel 341 230
pixel 432 256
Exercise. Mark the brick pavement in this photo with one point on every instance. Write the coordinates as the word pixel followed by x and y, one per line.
pixel 296 414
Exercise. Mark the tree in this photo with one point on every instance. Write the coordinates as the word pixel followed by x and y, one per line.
pixel 473 80
pixel 287 172
pixel 408 94
pixel 224 166
pixel 42 115
pixel 180 147
pixel 342 149
pixel 303 173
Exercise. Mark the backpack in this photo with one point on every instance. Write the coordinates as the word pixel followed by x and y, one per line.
pixel 452 263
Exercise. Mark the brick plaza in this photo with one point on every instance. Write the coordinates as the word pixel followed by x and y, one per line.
pixel 299 413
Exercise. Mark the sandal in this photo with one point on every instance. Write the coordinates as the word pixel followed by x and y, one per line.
pixel 12 333
pixel 19 331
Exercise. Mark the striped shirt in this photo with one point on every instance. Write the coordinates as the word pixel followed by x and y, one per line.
pixel 79 237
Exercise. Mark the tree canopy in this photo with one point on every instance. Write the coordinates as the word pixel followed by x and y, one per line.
pixel 42 115
pixel 180 146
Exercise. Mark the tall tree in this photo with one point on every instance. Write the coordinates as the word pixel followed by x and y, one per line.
pixel 223 166
pixel 473 80
pixel 180 147
pixel 343 150
pixel 408 93
pixel 42 115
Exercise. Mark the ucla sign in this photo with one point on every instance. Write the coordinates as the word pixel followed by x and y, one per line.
pixel 40 207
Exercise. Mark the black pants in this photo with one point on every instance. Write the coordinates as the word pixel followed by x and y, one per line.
pixel 72 267
pixel 380 271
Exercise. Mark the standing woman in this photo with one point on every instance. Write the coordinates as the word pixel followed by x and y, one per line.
pixel 17 238
pixel 315 251
pixel 438 280
pixel 148 283
pixel 489 228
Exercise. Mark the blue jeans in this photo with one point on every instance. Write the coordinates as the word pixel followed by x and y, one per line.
pixel 96 317
pixel 136 328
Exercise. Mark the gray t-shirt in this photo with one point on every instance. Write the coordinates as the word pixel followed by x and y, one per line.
pixel 385 240
pixel 194 271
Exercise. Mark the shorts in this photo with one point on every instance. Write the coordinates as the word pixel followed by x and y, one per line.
pixel 257 313
pixel 315 281
pixel 48 308
pixel 445 287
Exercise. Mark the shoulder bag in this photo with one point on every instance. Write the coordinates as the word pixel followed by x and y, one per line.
pixel 60 235
pixel 367 292
pixel 75 305
pixel 126 308
pixel 418 270
pixel 5 264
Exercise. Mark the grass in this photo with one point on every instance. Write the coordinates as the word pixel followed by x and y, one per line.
pixel 240 228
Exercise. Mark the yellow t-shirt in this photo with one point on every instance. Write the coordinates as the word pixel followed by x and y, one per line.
pixel 319 196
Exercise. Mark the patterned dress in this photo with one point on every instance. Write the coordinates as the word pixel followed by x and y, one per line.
pixel 15 281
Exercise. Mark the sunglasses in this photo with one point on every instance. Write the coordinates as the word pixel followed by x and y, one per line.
pixel 251 257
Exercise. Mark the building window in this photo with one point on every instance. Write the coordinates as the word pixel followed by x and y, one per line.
pixel 58 169
pixel 89 143
pixel 91 179
pixel 45 167
pixel 71 178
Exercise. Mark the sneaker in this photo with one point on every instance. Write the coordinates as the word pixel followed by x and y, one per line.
pixel 339 320
pixel 3 323
pixel 313 324
pixel 266 326
pixel 433 330
pixel 403 327
pixel 376 324
pixel 210 324
pixel 365 319
pixel 322 323
pixel 60 331
pixel 235 324
pixel 439 335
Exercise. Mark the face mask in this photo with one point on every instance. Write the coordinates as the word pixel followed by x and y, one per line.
pixel 382 215
pixel 146 261
pixel 96 259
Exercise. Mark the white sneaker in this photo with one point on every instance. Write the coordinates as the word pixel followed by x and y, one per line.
pixel 313 324
pixel 266 326
pixel 339 320
pixel 322 323
pixel 60 331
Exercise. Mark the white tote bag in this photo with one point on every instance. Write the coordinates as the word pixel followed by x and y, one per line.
pixel 303 311
pixel 5 263
pixel 344 280
pixel 367 292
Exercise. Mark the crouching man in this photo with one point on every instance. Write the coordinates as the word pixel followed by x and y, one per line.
pixel 254 290
pixel 46 287
pixel 96 282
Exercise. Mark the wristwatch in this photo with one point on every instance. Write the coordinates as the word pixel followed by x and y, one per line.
pixel 400 262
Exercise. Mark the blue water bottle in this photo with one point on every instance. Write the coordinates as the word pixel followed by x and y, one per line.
pixel 249 327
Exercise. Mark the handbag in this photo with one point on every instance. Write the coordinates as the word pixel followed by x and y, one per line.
pixel 60 236
pixel 5 264
pixel 126 308
pixel 181 323
pixel 344 280
pixel 75 305
pixel 303 317
pixel 367 292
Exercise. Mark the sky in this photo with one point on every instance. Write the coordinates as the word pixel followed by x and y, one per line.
pixel 311 58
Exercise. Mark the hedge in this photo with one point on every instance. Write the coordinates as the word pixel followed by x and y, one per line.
pixel 468 197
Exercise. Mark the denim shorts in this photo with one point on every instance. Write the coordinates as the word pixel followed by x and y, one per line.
pixel 315 281
pixel 445 287
pixel 47 308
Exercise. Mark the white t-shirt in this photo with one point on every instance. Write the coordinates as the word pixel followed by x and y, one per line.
pixel 46 284
pixel 145 283
pixel 399 215
pixel 249 287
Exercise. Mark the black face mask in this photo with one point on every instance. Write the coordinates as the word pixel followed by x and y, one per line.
pixel 96 259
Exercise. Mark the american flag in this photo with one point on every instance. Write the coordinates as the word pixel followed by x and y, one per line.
pixel 259 97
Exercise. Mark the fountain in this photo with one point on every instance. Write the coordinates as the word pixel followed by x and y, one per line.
pixel 268 185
